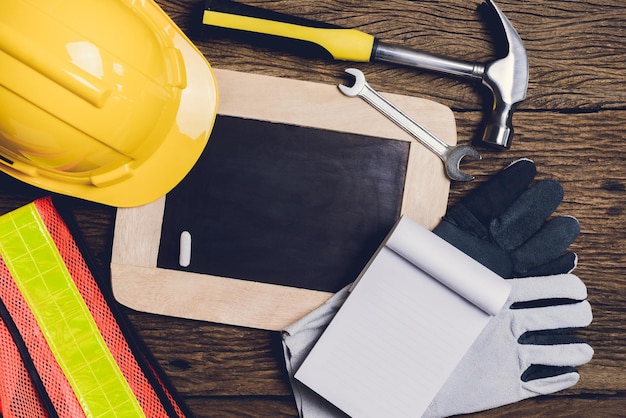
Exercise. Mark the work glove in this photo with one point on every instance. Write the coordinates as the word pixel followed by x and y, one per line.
pixel 524 351
pixel 503 225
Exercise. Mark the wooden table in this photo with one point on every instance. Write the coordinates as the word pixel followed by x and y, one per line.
pixel 571 125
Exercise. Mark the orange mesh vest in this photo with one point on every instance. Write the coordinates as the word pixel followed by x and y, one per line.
pixel 65 348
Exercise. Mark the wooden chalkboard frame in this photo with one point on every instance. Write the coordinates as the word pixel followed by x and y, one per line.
pixel 139 284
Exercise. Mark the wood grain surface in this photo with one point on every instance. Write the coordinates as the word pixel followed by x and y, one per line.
pixel 571 124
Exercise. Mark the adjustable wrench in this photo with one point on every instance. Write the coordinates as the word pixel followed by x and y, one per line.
pixel 450 155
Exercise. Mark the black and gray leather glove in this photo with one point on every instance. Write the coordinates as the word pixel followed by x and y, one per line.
pixel 504 224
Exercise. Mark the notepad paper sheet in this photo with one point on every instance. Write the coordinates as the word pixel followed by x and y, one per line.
pixel 395 341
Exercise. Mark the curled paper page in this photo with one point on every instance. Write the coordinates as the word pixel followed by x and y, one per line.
pixel 452 267
pixel 413 313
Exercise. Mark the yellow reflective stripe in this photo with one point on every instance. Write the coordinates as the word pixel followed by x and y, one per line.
pixel 43 279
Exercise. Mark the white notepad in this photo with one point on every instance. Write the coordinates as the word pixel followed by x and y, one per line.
pixel 413 313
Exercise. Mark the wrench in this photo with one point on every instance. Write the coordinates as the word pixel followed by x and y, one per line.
pixel 450 155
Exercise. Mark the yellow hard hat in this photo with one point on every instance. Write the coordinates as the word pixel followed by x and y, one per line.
pixel 105 100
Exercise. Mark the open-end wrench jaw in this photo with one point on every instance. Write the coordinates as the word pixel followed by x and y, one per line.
pixel 357 86
pixel 453 162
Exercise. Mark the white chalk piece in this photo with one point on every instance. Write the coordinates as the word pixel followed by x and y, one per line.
pixel 184 254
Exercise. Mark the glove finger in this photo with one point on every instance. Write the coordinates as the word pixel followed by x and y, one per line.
pixel 549 243
pixel 492 197
pixel 560 355
pixel 550 337
pixel 526 215
pixel 566 263
pixel 561 286
pixel 560 379
pixel 576 315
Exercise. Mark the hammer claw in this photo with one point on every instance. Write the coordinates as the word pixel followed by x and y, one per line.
pixel 505 77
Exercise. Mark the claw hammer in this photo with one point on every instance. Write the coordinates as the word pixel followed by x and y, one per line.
pixel 505 77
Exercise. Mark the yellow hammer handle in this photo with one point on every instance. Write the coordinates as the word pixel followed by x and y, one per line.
pixel 275 28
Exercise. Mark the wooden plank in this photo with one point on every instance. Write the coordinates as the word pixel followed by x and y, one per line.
pixel 215 359
pixel 242 408
pixel 573 47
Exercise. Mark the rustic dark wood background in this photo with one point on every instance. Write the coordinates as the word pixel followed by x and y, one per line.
pixel 571 125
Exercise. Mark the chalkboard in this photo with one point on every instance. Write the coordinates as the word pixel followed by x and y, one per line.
pixel 297 186
pixel 285 204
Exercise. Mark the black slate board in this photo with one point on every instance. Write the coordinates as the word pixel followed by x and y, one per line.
pixel 285 204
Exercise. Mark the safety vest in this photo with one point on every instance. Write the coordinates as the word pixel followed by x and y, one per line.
pixel 66 350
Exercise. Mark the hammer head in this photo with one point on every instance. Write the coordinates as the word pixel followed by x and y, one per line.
pixel 507 78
